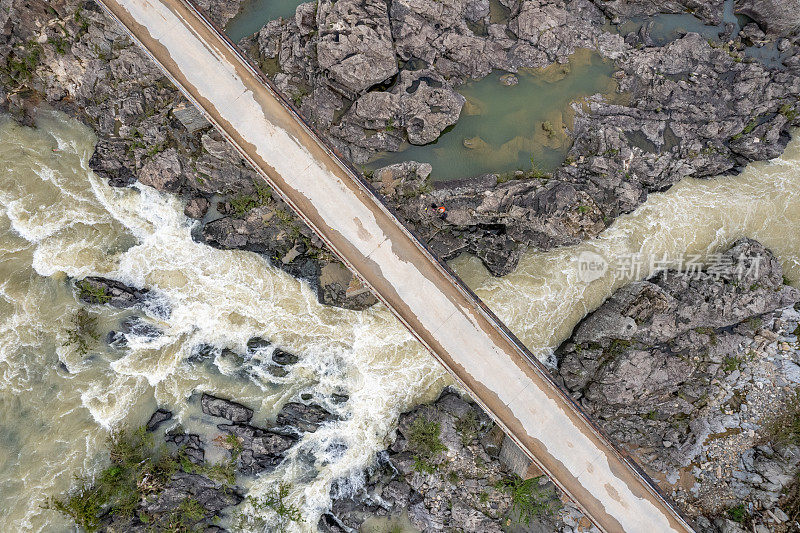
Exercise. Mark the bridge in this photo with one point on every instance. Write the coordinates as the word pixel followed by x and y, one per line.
pixel 422 292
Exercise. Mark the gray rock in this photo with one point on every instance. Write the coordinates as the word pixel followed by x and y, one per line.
pixel 262 450
pixel 97 290
pixel 196 208
pixel 779 18
pixel 355 47
pixel 158 418
pixel 227 409
pixel 163 172
pixel 302 418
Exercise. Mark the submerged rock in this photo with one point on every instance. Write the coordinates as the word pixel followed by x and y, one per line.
pixel 283 357
pixel 158 418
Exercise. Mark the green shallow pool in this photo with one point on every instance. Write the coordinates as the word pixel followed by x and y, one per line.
pixel 502 127
pixel 256 13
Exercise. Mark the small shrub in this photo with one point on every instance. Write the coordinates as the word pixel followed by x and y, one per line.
pixel 529 499
pixel 731 363
pixel 59 44
pixel 788 111
pixel 737 514
pixel 137 470
pixel 242 204
pixel 83 505
pixel 83 332
pixel 424 441
pixel 467 427
pixel 271 510
pixel 90 293
pixel 21 63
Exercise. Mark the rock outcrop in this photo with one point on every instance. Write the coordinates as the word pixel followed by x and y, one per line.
pixel 372 77
pixel 262 449
pixel 443 471
pixel 227 409
pixel 778 18
pixel 96 290
pixel 687 370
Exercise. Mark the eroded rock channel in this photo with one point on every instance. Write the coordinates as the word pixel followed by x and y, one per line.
pixel 693 376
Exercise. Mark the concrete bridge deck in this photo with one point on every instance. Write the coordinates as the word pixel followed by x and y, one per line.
pixel 438 309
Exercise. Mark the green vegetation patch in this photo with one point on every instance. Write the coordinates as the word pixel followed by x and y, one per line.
pixel 82 332
pixel 785 429
pixel 467 427
pixel 272 510
pixel 137 470
pixel 21 63
pixel 91 293
pixel 424 441
pixel 529 499
pixel 737 513
pixel 244 203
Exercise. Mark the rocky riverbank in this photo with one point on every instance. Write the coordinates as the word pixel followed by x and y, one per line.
pixel 696 375
pixel 372 75
pixel 173 486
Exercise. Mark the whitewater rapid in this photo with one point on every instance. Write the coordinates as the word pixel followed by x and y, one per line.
pixel 59 221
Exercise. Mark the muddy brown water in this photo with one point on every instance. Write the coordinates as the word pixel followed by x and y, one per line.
pixel 59 220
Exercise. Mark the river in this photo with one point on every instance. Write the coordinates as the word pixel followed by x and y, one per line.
pixel 58 220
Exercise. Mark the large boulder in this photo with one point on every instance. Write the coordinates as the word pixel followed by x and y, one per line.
pixel 355 47
pixel 97 290
pixel 262 450
pixel 779 18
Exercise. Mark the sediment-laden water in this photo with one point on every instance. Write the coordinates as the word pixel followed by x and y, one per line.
pixel 254 14
pixel 503 128
pixel 58 220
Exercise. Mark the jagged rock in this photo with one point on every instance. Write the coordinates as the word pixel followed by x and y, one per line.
pixel 183 485
pixel 262 450
pixel 196 208
pixel 708 10
pixel 355 46
pixel 235 412
pixel 672 367
pixel 158 418
pixel 303 418
pixel 97 290
pixel 422 103
pixel 444 497
pixel 779 18
pixel 190 444
pixel 163 172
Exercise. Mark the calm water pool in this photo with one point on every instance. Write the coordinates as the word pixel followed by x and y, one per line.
pixel 256 13
pixel 502 127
